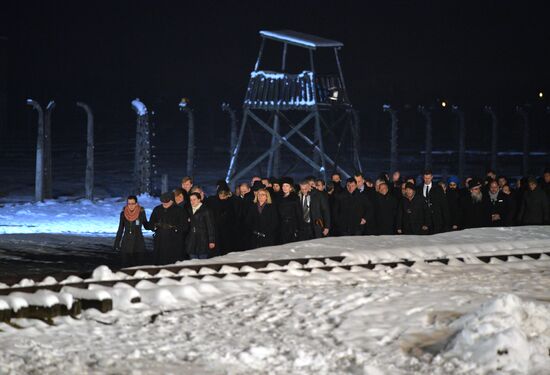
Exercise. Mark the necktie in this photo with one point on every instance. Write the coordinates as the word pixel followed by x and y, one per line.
pixel 305 210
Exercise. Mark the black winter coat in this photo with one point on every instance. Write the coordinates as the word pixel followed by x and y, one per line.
pixel 319 211
pixel 475 214
pixel 169 226
pixel 262 227
pixel 437 207
pixel 453 202
pixel 129 236
pixel 412 215
pixel 500 207
pixel 351 208
pixel 201 233
pixel 225 222
pixel 385 213
pixel 534 208
pixel 289 214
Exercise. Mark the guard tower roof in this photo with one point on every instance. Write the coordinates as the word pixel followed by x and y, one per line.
pixel 300 39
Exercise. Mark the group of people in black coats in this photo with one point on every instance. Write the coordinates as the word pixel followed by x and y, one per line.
pixel 269 211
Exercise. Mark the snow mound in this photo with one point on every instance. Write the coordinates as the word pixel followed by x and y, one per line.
pixel 505 334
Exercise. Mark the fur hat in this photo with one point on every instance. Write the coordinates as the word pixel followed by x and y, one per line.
pixel 166 197
pixel 409 185
pixel 257 186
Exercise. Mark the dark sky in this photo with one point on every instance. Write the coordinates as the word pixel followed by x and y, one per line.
pixel 107 53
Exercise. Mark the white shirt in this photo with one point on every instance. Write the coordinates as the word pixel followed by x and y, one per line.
pixel 196 208
pixel 426 189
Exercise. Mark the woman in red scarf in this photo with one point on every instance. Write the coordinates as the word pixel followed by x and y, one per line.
pixel 129 238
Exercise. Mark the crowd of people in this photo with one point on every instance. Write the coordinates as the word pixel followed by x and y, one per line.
pixel 270 211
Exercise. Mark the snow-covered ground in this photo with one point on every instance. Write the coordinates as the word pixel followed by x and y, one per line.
pixel 464 318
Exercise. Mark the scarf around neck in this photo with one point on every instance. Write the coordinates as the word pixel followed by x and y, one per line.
pixel 132 215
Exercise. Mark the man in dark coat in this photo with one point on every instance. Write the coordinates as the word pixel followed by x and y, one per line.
pixel 385 210
pixel 314 213
pixel 262 221
pixel 436 204
pixel 498 205
pixel 225 219
pixel 183 205
pixel 534 205
pixel 242 201
pixel 453 196
pixel 412 215
pixel 475 211
pixel 167 222
pixel 353 211
pixel 201 240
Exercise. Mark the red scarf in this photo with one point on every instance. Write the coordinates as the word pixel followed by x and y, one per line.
pixel 132 215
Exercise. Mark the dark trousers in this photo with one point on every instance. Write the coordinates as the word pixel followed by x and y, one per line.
pixel 306 232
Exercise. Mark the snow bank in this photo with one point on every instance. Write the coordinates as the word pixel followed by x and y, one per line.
pixel 505 334
pixel 68 216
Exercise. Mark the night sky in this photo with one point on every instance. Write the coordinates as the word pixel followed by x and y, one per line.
pixel 107 53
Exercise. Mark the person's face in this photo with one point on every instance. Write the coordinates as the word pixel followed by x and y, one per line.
pixel 547 178
pixel 475 190
pixel 266 183
pixel 428 179
pixel 532 186
pixel 409 193
pixel 403 189
pixel 167 204
pixel 262 197
pixel 131 204
pixel 506 190
pixel 335 178
pixel 178 198
pixel 360 181
pixel 286 188
pixel 502 181
pixel 244 189
pixel 383 189
pixel 320 186
pixel 194 201
pixel 305 188
pixel 396 176
pixel 452 186
pixel 276 188
pixel 351 186
pixel 493 188
pixel 187 185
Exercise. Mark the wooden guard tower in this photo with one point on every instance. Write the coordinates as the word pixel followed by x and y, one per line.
pixel 290 102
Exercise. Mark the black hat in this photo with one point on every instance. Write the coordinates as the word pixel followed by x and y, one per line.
pixel 287 180
pixel 474 183
pixel 409 185
pixel 166 197
pixel 222 185
pixel 257 185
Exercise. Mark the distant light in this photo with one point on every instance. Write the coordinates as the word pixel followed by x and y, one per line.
pixel 443 104
pixel 541 94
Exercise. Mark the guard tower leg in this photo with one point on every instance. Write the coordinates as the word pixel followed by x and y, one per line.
pixel 233 161
pixel 321 152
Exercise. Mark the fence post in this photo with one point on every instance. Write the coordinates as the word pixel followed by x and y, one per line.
pixel 461 141
pixel 394 136
pixel 142 166
pixel 39 173
pixel 48 150
pixel 428 143
pixel 525 124
pixel 184 107
pixel 494 136
pixel 89 179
